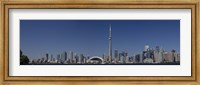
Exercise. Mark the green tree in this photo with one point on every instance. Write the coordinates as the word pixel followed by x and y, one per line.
pixel 23 59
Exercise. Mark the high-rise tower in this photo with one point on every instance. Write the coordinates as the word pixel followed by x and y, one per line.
pixel 110 44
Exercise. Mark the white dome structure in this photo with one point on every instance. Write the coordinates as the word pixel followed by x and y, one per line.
pixel 95 60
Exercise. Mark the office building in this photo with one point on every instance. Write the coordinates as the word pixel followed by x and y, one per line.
pixel 51 57
pixel 116 56
pixel 58 58
pixel 71 56
pixel 47 57
pixel 168 57
pixel 65 56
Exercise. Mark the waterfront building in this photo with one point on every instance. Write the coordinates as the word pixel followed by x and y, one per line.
pixel 124 56
pixel 120 58
pixel 158 55
pixel 168 57
pixel 42 60
pixel 80 59
pixel 38 61
pixel 141 58
pixel 104 58
pixel 51 57
pixel 47 58
pixel 65 56
pixel 137 58
pixel 75 60
pixel 58 58
pixel 177 56
pixel 71 56
pixel 84 60
pixel 116 56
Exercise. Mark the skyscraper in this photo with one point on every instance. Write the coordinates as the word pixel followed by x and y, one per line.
pixel 71 56
pixel 168 57
pixel 120 57
pixel 158 55
pixel 47 57
pixel 58 58
pixel 124 55
pixel 110 44
pixel 173 55
pixel 80 58
pixel 104 57
pixel 51 57
pixel 116 56
pixel 64 56
pixel 65 53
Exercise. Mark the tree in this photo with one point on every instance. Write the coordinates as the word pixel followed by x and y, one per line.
pixel 23 59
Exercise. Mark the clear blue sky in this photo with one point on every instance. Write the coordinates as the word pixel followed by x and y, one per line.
pixel 90 37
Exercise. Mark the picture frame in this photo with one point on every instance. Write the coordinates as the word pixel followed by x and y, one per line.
pixel 14 80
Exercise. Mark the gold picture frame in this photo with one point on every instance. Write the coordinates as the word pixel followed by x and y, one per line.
pixel 108 80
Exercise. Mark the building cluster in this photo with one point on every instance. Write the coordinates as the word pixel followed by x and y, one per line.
pixel 63 58
pixel 149 55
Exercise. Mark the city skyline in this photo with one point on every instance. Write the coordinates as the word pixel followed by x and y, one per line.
pixel 170 27
pixel 149 56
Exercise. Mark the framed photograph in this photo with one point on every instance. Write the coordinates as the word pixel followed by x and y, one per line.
pixel 100 41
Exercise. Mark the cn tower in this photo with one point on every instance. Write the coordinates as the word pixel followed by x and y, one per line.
pixel 110 44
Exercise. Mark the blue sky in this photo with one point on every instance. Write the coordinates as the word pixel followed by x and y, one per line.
pixel 90 37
